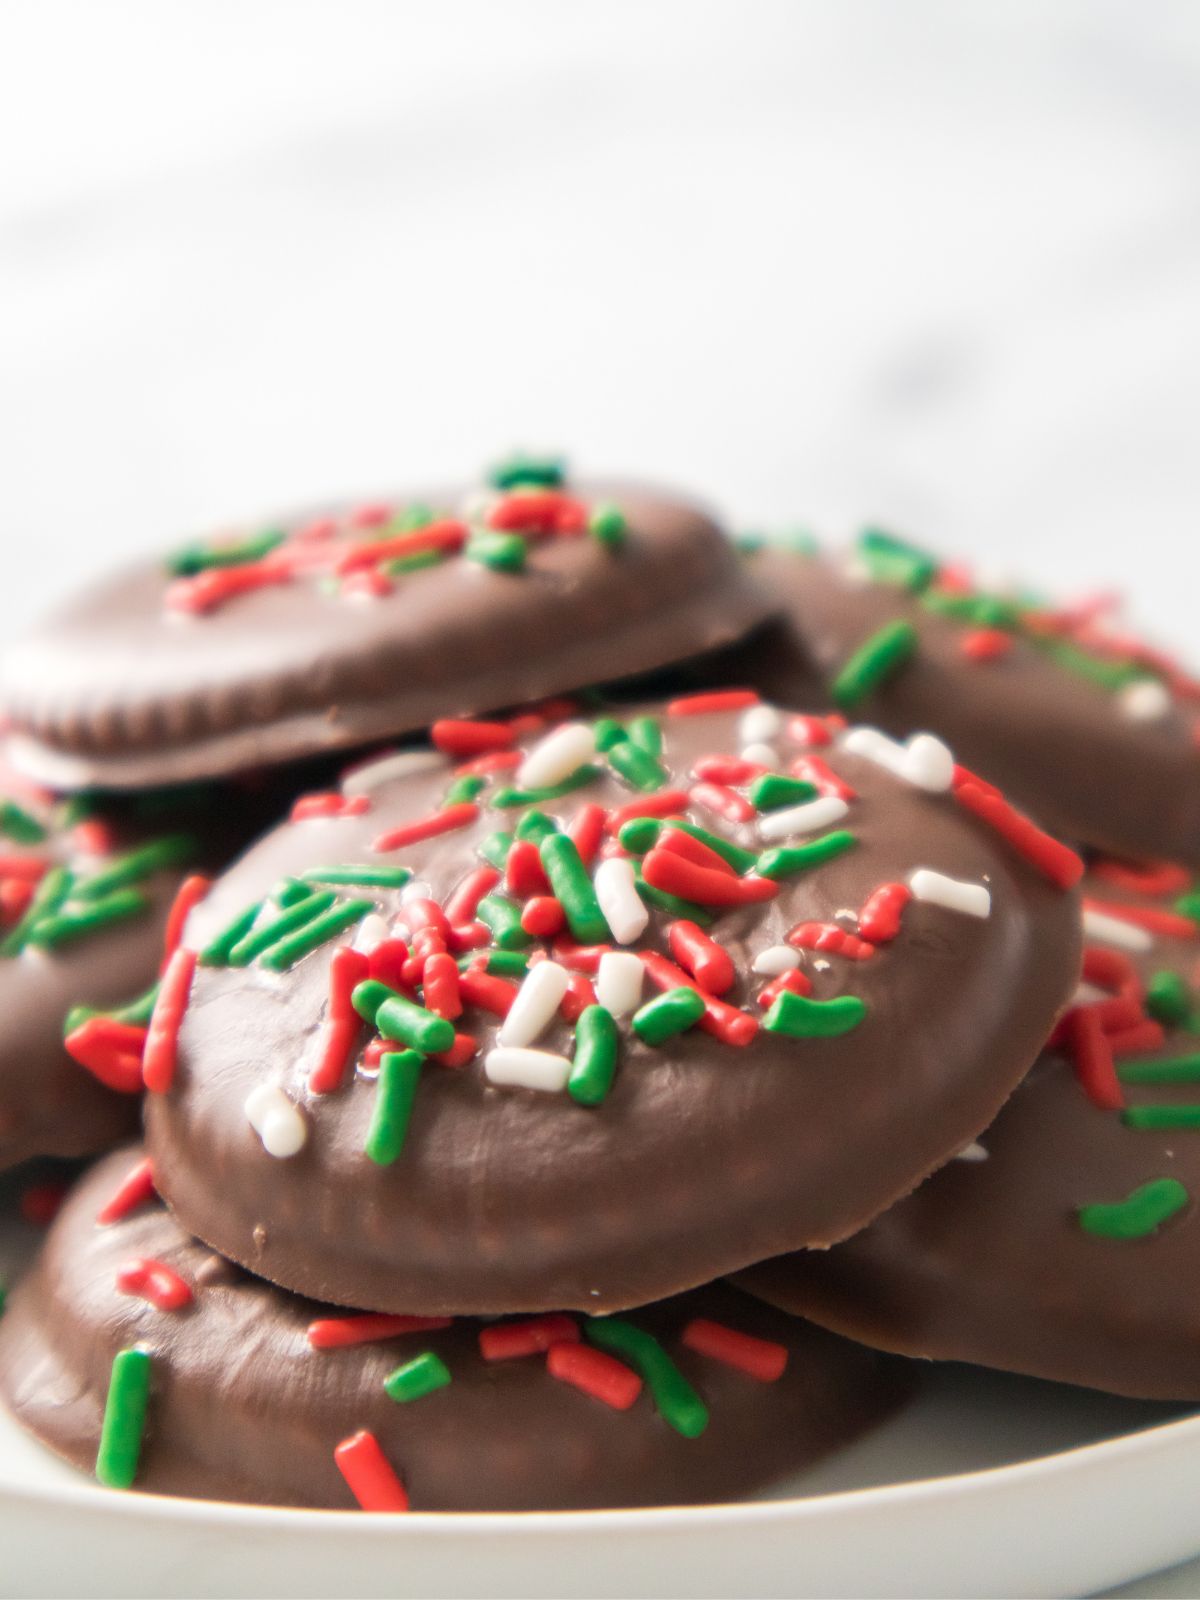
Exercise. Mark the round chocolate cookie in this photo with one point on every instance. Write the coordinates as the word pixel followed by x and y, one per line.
pixel 312 634
pixel 594 1020
pixel 134 1351
pixel 1043 702
pixel 1066 1243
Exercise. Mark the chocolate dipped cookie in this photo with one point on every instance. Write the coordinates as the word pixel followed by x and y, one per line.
pixel 1089 729
pixel 133 1351
pixel 589 1019
pixel 314 633
pixel 1065 1242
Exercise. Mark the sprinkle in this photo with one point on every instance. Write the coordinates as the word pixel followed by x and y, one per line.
pixel 314 934
pixel 507 799
pixel 1168 998
pixel 759 724
pixel 676 1402
pixel 335 1333
pixel 879 919
pixel 310 807
pixel 135 1189
pixel 445 821
pixel 399 1018
pixel 893 560
pixel 721 1020
pixel 641 833
pixel 162 1034
pixel 775 960
pixel 216 953
pixel 675 875
pixel 668 1014
pixel 111 1051
pixel 1156 1117
pixel 542 917
pixel 619 901
pixel 279 1124
pixel 1140 1214
pixel 924 761
pixel 595 1373
pixel 770 791
pixel 503 918
pixel 805 818
pixel 416 1378
pixel 935 888
pixel 757 1358
pixel 462 905
pixel 874 662
pixel 619 982
pixel 156 1282
pixel 985 644
pixel 347 969
pixel 124 1419
pixel 802 1018
pixel 579 996
pixel 1053 860
pixel 639 769
pixel 608 525
pixel 521 1068
pixel 725 802
pixel 1155 879
pixel 65 926
pixel 1144 700
pixel 820 773
pixel 440 988
pixel 1136 1039
pixel 470 738
pixel 828 937
pixel 448 535
pixel 583 957
pixel 266 934
pixel 785 860
pixel 535 1006
pixel 1092 1059
pixel 558 756
pixel 20 825
pixel 1167 924
pixel 189 895
pixel 806 730
pixel 595 1062
pixel 791 982
pixel 573 888
pixel 136 865
pixel 523 871
pixel 702 705
pixel 395 1091
pixel 727 770
pixel 369 1474
pixel 502 552
pixel 531 1336
pixel 587 830
pixel 489 992
pixel 536 826
pixel 672 802
pixel 707 962
pixel 1116 931
pixel 372 775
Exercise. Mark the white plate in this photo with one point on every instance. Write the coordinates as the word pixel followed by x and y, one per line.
pixel 985 1485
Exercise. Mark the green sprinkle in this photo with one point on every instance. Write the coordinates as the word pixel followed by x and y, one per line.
pixel 314 934
pixel 1099 670
pixel 1152 1117
pixel 399 565
pixel 413 1025
pixel 668 1014
pixel 417 1378
pixel 1188 905
pixel 289 892
pixel 781 861
pixel 464 788
pixel 570 882
pixel 536 825
pixel 772 790
pixel 363 877
pixel 194 558
pixel 639 834
pixel 18 824
pixel 671 903
pixel 676 1402
pixel 801 1018
pixel 607 523
pixel 278 927
pixel 494 849
pixel 504 919
pixel 124 1419
pixel 595 1060
pixel 367 997
pixel 410 520
pixel 542 472
pixel 173 851
pixel 136 1014
pixel 1141 1213
pixel 500 963
pixel 607 732
pixel 892 560
pixel 639 769
pixel 65 926
pixel 395 1091
pixel 1172 1069
pixel 883 654
pixel 647 732
pixel 1168 998
pixel 216 953
pixel 502 552
pixel 49 895
pixel 506 799
pixel 980 610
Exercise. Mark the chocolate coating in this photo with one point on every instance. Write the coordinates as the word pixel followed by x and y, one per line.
pixel 987 1262
pixel 116 690
pixel 243 1408
pixel 704 1156
pixel 1039 730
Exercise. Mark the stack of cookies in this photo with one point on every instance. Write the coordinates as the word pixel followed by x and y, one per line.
pixel 618 1059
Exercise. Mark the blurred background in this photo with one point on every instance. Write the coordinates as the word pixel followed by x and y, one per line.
pixel 932 263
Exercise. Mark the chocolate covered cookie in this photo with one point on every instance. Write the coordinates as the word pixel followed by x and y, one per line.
pixel 1089 729
pixel 1065 1243
pixel 135 1352
pixel 314 633
pixel 585 1020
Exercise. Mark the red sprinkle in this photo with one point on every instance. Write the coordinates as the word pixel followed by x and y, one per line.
pixel 460 1052
pixel 543 916
pixel 335 1333
pixel 597 1373
pixel 708 963
pixel 812 769
pixel 1168 924
pixel 726 770
pixel 700 705
pixel 329 804
pixel 111 1052
pixel 812 731
pixel 583 957
pixel 134 1190
pixel 531 1336
pixel 441 992
pixel 486 990
pixel 94 837
pixel 879 919
pixel 674 874
pixel 468 738
pixel 367 1471
pixel 1060 865
pixel 724 801
pixel 578 997
pixel 154 1281
pixel 209 589
pixel 965 775
pixel 15 897
pixel 28 868
pixel 538 511
pixel 444 821
pixel 464 902
pixel 1092 1057
pixel 347 969
pixel 693 849
pixel 523 874
pixel 667 803
pixel 1156 879
pixel 587 830
pixel 758 1358
pixel 985 644
pixel 162 1036
pixel 191 891
pixel 793 980
pixel 498 761
pixel 723 1021
pixel 1146 1035
pixel 372 514
pixel 447 536
pixel 831 939
pixel 387 963
pixel 469 936
pixel 1111 969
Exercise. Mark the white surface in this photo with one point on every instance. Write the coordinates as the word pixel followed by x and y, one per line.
pixel 931 263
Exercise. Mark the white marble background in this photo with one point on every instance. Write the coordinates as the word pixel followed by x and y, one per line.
pixel 937 263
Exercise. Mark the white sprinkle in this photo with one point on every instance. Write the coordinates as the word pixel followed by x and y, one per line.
pixel 537 1001
pixel 759 724
pixel 619 982
pixel 372 931
pixel 924 761
pixel 873 745
pixel 972 1152
pixel 1087 994
pixel 775 959
pixel 527 1069
pixel 616 890
pixel 557 756
pixel 763 755
pixel 416 889
pixel 1144 700
pixel 1115 930
pixel 277 1122
pixel 806 818
pixel 972 899
pixel 374 774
